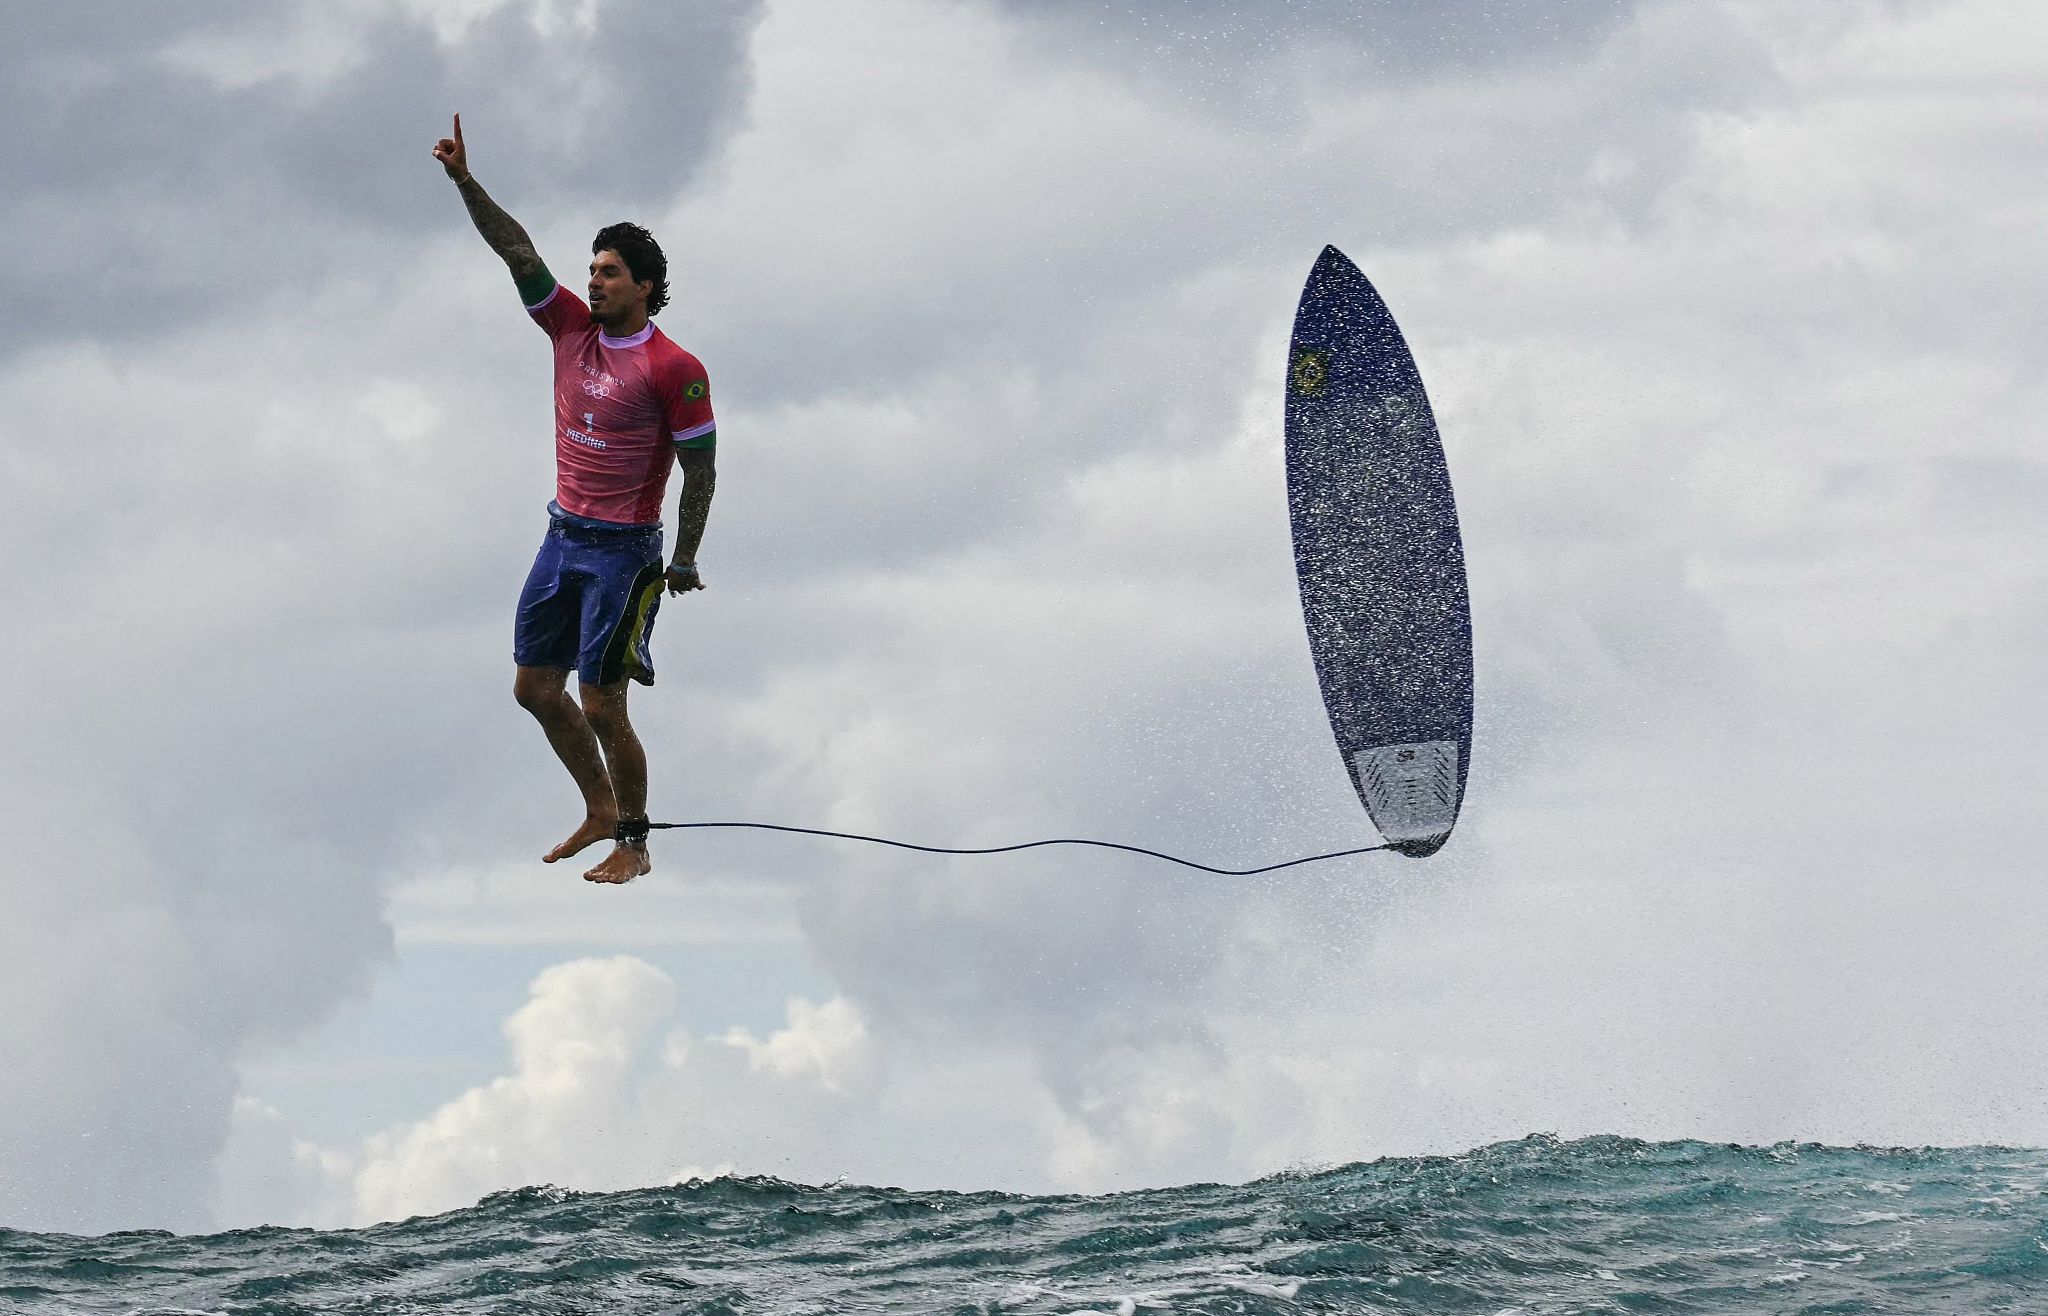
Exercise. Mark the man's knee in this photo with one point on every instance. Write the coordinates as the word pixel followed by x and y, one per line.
pixel 539 690
pixel 605 706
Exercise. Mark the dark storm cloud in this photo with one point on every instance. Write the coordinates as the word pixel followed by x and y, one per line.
pixel 145 194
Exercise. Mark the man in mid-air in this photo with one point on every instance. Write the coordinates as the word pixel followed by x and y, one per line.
pixel 626 398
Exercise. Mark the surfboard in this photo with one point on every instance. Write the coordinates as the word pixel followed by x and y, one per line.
pixel 1379 559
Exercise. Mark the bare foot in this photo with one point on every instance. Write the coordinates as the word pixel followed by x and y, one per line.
pixel 623 864
pixel 595 828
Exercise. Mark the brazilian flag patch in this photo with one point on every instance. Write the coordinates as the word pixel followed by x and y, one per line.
pixel 695 390
pixel 1309 373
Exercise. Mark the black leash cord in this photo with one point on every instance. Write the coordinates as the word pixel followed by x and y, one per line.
pixel 1027 845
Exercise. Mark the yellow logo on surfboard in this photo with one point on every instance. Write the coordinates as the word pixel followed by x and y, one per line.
pixel 1310 373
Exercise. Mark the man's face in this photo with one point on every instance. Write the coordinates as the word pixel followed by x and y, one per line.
pixel 613 294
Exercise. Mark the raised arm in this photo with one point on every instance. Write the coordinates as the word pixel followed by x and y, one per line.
pixel 502 231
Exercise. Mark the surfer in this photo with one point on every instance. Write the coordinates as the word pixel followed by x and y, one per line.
pixel 626 398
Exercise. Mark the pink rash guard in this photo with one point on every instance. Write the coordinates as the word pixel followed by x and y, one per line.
pixel 622 405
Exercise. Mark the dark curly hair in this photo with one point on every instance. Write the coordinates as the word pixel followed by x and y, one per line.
pixel 642 254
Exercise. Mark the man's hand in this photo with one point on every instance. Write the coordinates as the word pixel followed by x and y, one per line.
pixel 682 578
pixel 449 151
pixel 498 228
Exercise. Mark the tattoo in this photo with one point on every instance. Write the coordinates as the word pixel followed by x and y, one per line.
pixel 502 231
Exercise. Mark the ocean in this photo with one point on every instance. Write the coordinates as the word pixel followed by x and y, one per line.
pixel 1538 1227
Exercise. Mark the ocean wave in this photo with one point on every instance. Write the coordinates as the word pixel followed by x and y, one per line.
pixel 1536 1227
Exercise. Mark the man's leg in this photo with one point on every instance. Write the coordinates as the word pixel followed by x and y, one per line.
pixel 604 710
pixel 543 692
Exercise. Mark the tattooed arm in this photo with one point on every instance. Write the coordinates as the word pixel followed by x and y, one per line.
pixel 502 231
pixel 700 481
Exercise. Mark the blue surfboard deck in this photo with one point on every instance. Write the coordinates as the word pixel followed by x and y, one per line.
pixel 1379 559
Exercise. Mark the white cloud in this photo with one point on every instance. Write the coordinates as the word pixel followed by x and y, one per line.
pixel 562 1111
pixel 823 1042
pixel 600 1092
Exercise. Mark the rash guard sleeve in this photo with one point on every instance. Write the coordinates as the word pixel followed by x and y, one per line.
pixel 685 396
pixel 559 312
pixel 535 287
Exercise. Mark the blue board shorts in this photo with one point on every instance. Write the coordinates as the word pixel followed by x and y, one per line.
pixel 590 600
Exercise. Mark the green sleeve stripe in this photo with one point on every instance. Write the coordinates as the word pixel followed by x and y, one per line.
pixel 535 287
pixel 702 443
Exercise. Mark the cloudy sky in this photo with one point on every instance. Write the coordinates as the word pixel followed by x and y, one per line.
pixel 1731 311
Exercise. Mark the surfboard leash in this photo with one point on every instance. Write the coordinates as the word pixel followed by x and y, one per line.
pixel 1006 849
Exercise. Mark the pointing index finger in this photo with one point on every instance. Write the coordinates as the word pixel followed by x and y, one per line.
pixel 458 130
